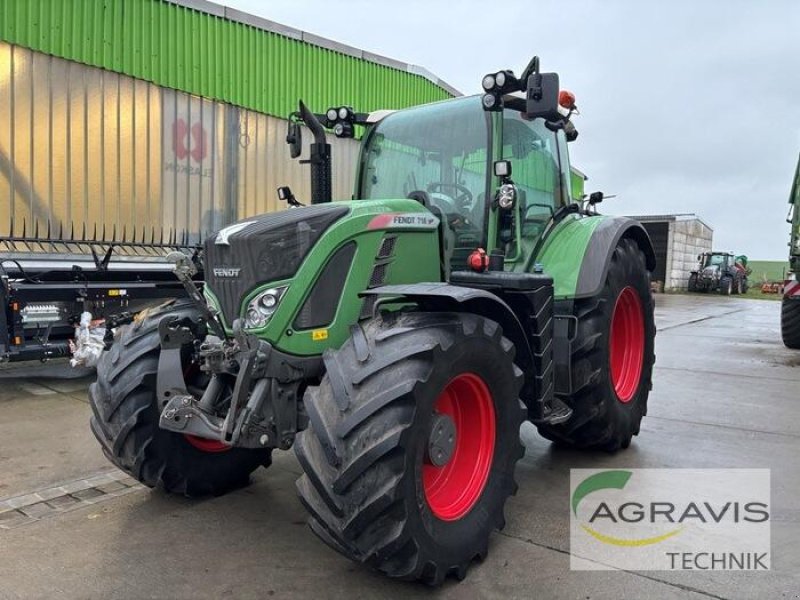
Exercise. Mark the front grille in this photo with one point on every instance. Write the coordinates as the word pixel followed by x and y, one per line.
pixel 320 307
pixel 264 249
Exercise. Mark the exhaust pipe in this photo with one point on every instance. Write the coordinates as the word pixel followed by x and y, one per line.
pixel 319 159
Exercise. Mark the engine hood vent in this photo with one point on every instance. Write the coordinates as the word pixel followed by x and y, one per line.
pixel 262 249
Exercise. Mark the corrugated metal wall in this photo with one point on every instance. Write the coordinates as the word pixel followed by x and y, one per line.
pixel 81 145
pixel 211 56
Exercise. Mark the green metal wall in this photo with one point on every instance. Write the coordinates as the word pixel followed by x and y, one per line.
pixel 188 50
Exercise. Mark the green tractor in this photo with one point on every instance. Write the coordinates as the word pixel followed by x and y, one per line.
pixel 790 307
pixel 398 341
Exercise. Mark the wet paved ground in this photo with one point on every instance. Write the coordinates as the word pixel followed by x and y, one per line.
pixel 727 394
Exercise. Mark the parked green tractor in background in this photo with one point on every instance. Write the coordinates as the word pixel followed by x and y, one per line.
pixel 398 341
pixel 790 307
pixel 720 272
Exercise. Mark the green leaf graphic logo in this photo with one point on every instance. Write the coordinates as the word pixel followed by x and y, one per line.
pixel 611 480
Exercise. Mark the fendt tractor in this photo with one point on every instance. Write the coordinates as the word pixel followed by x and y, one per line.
pixel 398 340
pixel 790 307
pixel 721 272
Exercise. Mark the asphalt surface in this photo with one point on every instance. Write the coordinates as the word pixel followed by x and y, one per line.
pixel 726 394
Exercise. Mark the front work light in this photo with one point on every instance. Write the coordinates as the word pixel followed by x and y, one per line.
pixel 506 196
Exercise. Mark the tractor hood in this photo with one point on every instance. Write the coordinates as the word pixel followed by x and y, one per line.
pixel 263 249
pixel 710 271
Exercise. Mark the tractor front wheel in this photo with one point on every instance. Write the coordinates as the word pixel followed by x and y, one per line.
pixel 693 282
pixel 612 358
pixel 726 286
pixel 126 414
pixel 412 441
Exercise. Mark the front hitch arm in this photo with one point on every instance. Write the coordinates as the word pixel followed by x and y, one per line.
pixel 184 269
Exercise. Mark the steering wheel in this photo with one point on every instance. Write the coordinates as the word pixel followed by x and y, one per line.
pixel 463 197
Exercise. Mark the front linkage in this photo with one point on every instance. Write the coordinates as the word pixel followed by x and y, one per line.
pixel 263 384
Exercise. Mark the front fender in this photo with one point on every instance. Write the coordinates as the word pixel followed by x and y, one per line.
pixel 443 297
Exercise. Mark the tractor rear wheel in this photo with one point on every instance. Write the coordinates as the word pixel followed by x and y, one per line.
pixel 612 358
pixel 790 321
pixel 412 441
pixel 126 414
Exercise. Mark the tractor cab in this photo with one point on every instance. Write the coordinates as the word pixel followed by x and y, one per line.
pixel 716 261
pixel 494 168
pixel 446 156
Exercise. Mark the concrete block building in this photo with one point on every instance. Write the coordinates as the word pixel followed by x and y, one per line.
pixel 677 240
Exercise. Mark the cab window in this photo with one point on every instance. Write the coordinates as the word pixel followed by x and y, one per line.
pixel 533 152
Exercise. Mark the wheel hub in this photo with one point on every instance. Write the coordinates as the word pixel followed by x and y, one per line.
pixel 442 440
pixel 463 429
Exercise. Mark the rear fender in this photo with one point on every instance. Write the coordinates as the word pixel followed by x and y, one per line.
pixel 597 257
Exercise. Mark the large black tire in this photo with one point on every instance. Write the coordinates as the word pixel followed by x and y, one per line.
pixel 790 322
pixel 693 282
pixel 126 414
pixel 601 419
pixel 726 285
pixel 364 450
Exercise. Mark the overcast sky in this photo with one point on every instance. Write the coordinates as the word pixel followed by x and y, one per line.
pixel 687 107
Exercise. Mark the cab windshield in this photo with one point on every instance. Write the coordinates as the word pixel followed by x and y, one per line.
pixel 437 153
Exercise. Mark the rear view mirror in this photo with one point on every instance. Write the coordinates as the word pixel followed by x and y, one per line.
pixel 294 137
pixel 542 97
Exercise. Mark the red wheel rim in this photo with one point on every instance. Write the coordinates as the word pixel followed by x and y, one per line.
pixel 453 489
pixel 626 344
pixel 205 444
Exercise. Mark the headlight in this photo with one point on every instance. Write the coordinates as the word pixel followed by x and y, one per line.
pixel 488 82
pixel 500 79
pixel 343 113
pixel 260 309
pixel 507 195
pixel 331 114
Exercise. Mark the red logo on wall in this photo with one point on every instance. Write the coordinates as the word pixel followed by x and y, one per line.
pixel 189 140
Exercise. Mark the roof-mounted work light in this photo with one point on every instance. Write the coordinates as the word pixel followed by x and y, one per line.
pixel 341 119
pixel 497 84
